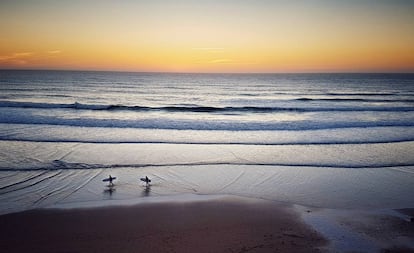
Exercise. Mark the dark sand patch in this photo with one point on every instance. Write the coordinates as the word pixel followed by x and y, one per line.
pixel 210 226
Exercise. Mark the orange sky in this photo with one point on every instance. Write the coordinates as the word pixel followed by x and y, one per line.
pixel 208 36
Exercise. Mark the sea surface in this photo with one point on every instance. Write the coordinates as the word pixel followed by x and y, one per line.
pixel 326 140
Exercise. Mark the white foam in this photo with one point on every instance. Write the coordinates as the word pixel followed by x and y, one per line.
pixel 45 155
pixel 51 133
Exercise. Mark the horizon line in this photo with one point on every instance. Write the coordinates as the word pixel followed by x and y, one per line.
pixel 179 72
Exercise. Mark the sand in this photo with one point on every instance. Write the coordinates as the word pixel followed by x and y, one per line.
pixel 223 225
pixel 206 224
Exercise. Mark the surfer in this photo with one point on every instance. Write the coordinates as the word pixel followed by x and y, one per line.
pixel 110 179
pixel 146 180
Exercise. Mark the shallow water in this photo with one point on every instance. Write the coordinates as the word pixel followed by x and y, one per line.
pixel 326 140
pixel 331 176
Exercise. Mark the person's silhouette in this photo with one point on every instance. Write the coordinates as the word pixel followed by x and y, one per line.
pixel 110 180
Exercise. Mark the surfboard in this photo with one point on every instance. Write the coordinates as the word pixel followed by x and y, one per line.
pixel 107 179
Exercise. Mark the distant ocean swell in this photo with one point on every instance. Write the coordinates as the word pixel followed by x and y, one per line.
pixel 229 109
pixel 199 124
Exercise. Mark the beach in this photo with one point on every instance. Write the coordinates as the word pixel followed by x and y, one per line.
pixel 223 224
pixel 238 163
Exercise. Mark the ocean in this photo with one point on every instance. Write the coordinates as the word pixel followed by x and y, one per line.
pixel 326 140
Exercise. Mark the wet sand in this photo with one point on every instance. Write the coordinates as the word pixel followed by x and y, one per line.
pixel 358 230
pixel 224 225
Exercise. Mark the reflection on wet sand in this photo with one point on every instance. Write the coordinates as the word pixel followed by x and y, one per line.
pixel 110 190
pixel 146 191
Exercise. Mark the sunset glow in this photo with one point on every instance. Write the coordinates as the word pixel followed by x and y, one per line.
pixel 208 36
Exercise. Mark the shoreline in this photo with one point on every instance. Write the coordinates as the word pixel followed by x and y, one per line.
pixel 334 188
pixel 206 223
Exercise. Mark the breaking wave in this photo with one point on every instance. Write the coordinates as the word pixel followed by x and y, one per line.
pixel 213 109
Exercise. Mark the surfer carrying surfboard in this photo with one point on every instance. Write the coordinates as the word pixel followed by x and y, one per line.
pixel 146 180
pixel 109 179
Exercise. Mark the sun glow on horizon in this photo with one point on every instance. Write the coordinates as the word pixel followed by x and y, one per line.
pixel 208 36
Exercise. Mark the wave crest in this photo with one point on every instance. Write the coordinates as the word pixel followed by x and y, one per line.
pixel 205 109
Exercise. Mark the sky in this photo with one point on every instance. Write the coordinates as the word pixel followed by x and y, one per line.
pixel 208 35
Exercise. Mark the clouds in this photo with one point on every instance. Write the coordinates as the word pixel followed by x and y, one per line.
pixel 216 35
pixel 19 58
pixel 15 56
pixel 26 58
pixel 222 61
pixel 54 52
pixel 208 48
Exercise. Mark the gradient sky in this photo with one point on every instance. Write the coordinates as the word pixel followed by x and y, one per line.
pixel 208 36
